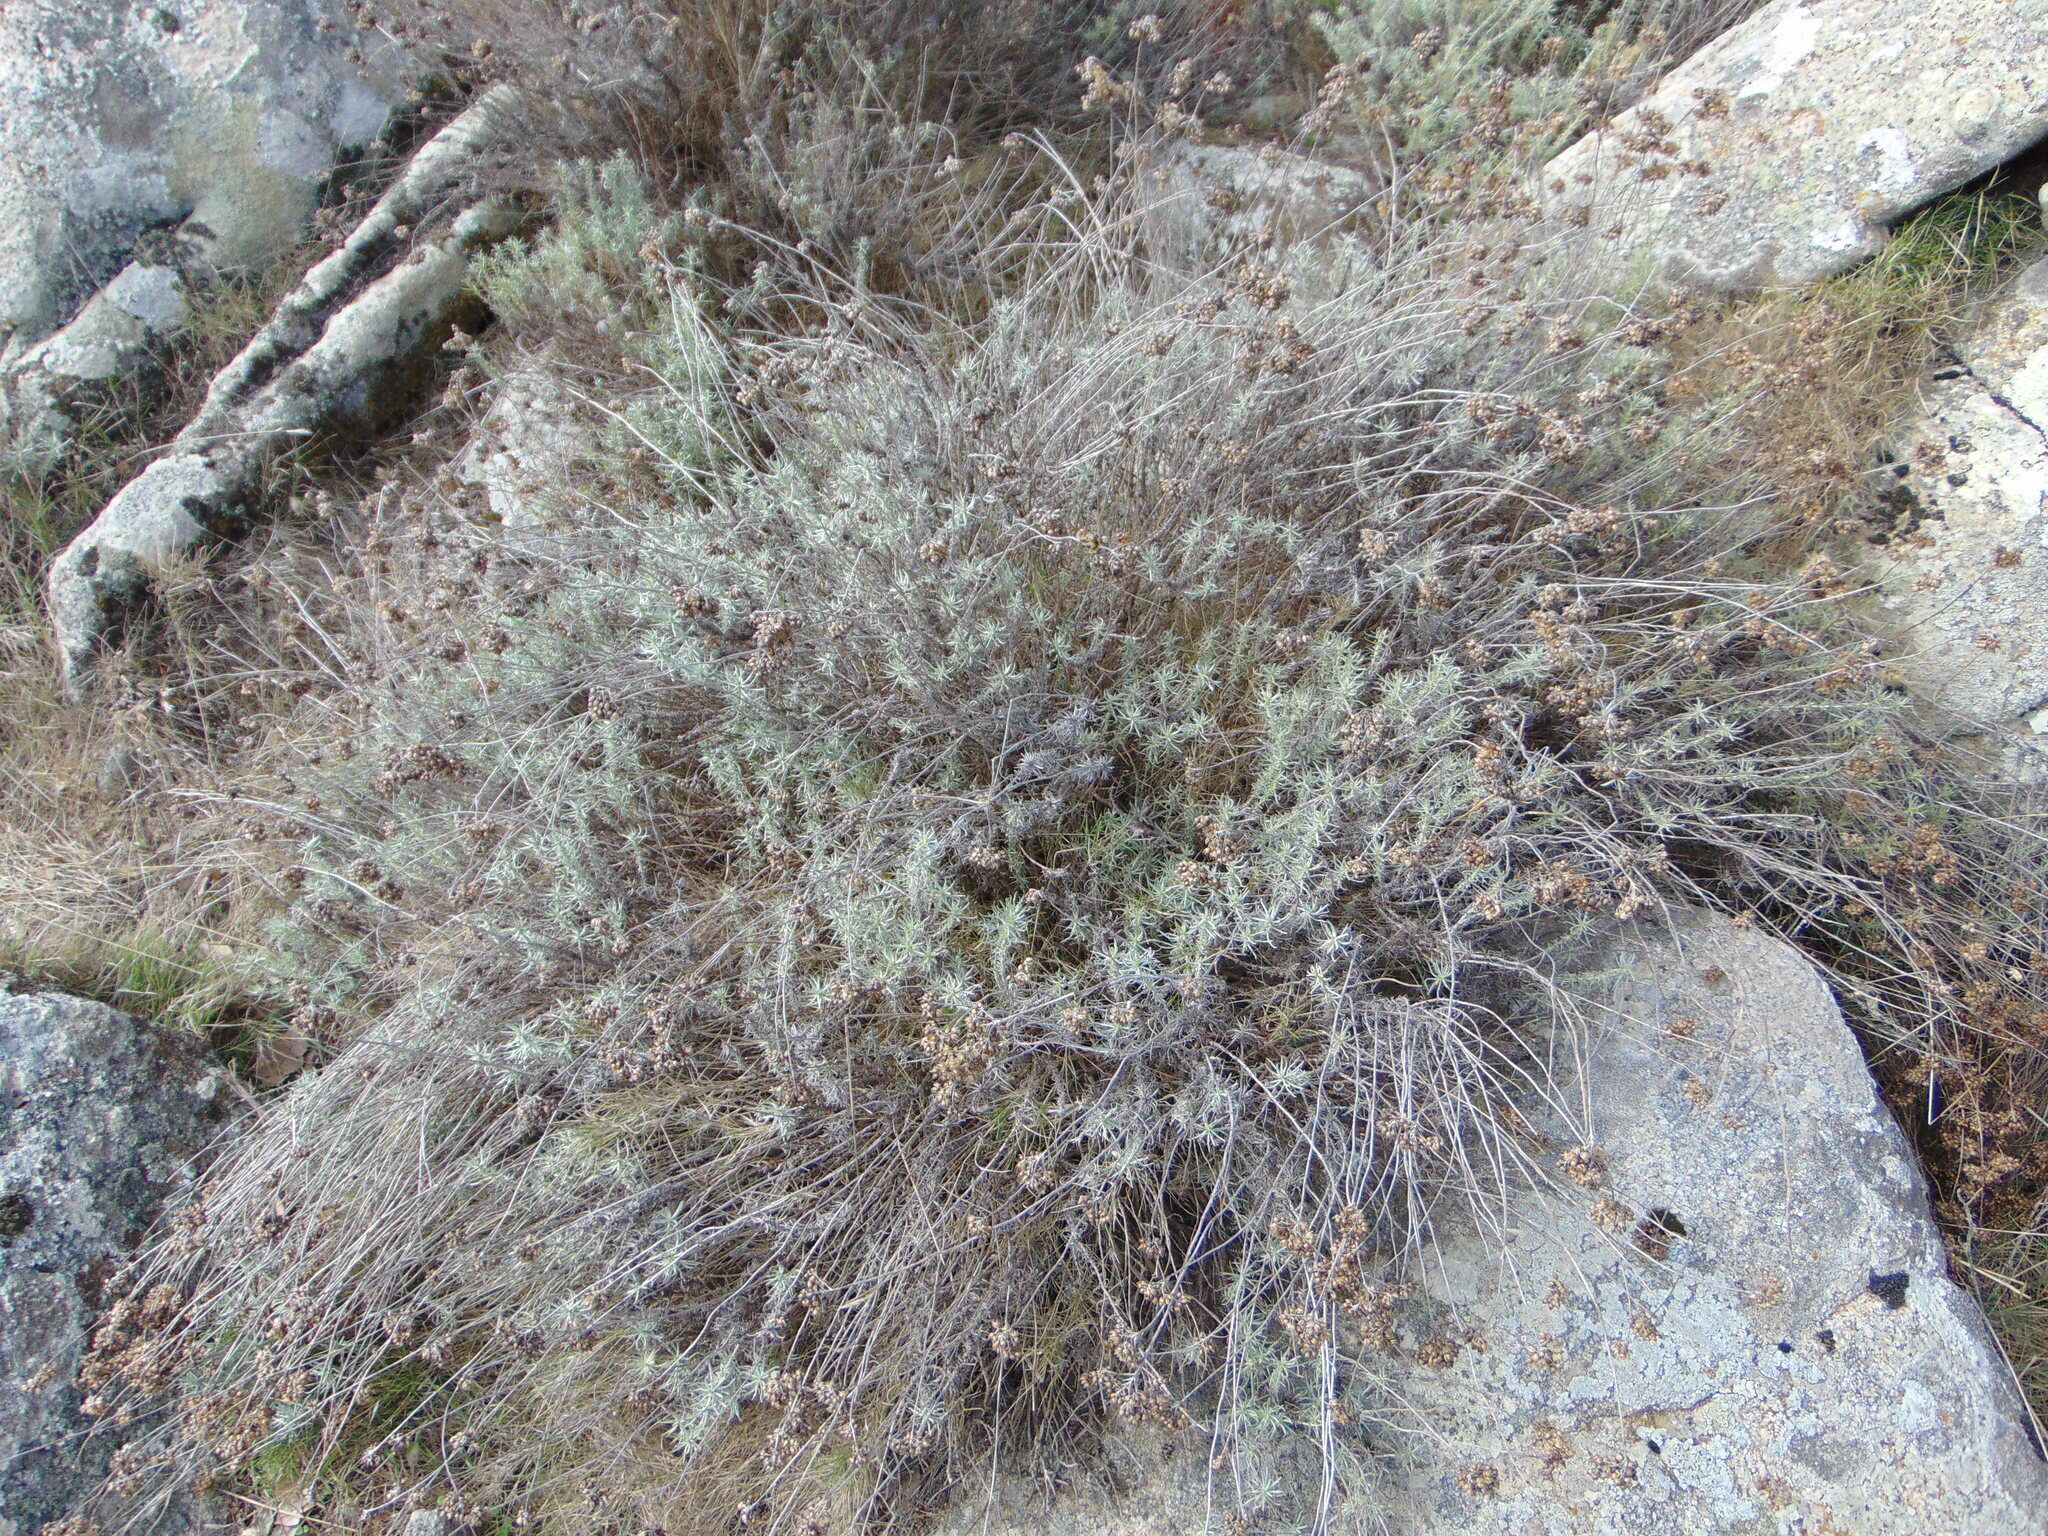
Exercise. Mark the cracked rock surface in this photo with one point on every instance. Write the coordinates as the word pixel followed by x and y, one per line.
pixel 1759 1337
pixel 1819 123
pixel 1967 586
pixel 100 1115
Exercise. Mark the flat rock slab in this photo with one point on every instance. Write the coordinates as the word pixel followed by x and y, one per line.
pixel 1819 123
pixel 1966 584
pixel 1757 1337
pixel 1772 1343
pixel 100 1116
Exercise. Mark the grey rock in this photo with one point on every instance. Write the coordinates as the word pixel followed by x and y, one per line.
pixel 426 1522
pixel 120 774
pixel 120 120
pixel 142 304
pixel 1822 122
pixel 525 452
pixel 1965 586
pixel 1206 202
pixel 101 1116
pixel 1770 1344
pixel 112 335
pixel 216 117
pixel 412 223
pixel 341 355
pixel 149 525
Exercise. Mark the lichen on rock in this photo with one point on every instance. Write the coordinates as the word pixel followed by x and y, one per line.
pixel 101 1118
pixel 1782 151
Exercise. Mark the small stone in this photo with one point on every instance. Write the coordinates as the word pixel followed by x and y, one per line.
pixel 1206 198
pixel 120 774
pixel 1974 112
pixel 152 294
pixel 527 452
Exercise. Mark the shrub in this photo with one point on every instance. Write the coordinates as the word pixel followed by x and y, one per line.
pixel 1467 96
pixel 682 82
pixel 999 883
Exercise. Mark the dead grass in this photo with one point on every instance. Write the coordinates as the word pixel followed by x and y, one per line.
pixel 104 891
pixel 2009 1271
pixel 110 885
pixel 1828 373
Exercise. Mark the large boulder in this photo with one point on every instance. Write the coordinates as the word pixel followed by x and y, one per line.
pixel 1780 152
pixel 101 1116
pixel 205 126
pixel 1745 1325
pixel 1965 570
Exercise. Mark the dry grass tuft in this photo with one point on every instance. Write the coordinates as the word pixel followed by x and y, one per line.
pixel 1826 373
pixel 2010 1272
